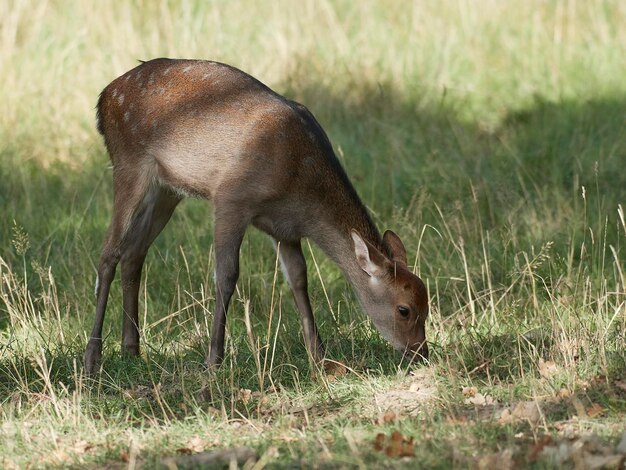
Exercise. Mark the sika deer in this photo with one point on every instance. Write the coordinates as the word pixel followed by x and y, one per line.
pixel 188 127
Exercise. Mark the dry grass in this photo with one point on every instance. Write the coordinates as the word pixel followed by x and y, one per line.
pixel 488 134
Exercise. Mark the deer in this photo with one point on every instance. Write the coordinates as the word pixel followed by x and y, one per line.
pixel 177 128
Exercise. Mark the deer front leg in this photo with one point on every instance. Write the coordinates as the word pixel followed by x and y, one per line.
pixel 294 267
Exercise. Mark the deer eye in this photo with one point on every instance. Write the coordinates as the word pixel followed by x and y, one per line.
pixel 404 311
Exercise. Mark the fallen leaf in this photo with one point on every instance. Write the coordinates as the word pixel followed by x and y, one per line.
pixel 567 428
pixel 388 417
pixel 564 393
pixel 379 441
pixel 124 456
pixel 244 395
pixel 594 410
pixel 547 369
pixel 394 446
pixel 469 391
pixel 399 446
pixel 480 400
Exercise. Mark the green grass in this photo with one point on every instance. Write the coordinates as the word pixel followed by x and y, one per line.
pixel 490 135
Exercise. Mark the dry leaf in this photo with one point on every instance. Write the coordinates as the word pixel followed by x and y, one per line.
pixel 564 393
pixel 244 395
pixel 469 391
pixel 388 417
pixel 379 441
pixel 124 456
pixel 480 400
pixel 594 410
pixel 395 446
pixel 547 369
pixel 399 446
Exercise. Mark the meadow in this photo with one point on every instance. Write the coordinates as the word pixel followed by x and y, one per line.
pixel 490 135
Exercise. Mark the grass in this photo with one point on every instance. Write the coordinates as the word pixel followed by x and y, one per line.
pixel 489 135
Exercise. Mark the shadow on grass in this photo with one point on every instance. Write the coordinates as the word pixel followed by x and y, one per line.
pixel 399 151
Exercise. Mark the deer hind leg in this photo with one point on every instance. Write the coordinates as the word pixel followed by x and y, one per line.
pixel 130 188
pixel 294 267
pixel 157 208
pixel 230 227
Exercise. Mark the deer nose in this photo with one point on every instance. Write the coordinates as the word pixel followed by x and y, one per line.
pixel 418 352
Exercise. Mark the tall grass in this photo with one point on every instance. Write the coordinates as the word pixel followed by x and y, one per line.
pixel 489 135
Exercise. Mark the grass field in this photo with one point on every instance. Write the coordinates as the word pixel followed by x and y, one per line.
pixel 490 135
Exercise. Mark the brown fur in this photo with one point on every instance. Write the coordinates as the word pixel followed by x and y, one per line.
pixel 183 127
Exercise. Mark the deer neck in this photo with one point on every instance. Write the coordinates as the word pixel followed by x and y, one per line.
pixel 333 236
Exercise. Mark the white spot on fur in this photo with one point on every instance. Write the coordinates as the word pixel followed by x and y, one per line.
pixel 126 116
pixel 120 99
pixel 114 93
pixel 187 68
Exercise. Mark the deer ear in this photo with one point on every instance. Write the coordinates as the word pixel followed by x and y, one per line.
pixel 396 247
pixel 369 258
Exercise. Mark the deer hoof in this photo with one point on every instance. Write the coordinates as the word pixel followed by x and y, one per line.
pixel 93 356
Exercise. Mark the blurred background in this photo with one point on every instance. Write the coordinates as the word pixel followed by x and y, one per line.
pixel 489 134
